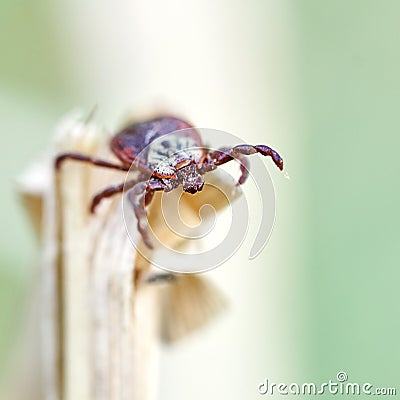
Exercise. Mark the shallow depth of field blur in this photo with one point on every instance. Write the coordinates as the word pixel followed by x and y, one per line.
pixel 316 80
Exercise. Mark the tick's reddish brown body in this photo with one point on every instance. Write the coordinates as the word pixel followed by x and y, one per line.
pixel 127 144
pixel 187 161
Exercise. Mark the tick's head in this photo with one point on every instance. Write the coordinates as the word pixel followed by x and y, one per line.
pixel 190 178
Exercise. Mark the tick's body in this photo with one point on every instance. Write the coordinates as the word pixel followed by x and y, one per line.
pixel 165 164
pixel 127 144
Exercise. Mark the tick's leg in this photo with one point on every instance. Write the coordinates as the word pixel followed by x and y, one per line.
pixel 140 196
pixel 92 160
pixel 163 277
pixel 225 155
pixel 244 168
pixel 110 191
pixel 248 149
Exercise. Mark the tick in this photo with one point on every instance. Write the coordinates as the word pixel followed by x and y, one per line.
pixel 178 160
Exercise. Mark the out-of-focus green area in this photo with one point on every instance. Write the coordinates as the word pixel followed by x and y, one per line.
pixel 349 75
pixel 33 93
pixel 30 52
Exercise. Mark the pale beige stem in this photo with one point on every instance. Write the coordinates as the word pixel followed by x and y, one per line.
pixel 99 319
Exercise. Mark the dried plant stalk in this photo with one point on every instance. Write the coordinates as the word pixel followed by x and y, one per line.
pixel 100 327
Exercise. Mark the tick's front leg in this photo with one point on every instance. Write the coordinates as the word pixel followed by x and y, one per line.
pixel 110 191
pixel 88 159
pixel 248 149
pixel 224 155
pixel 140 196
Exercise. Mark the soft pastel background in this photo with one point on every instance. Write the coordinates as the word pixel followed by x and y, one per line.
pixel 317 80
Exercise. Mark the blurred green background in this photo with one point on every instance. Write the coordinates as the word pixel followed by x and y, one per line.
pixel 350 89
pixel 320 78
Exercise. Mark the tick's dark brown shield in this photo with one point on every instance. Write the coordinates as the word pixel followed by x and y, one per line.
pixel 132 140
